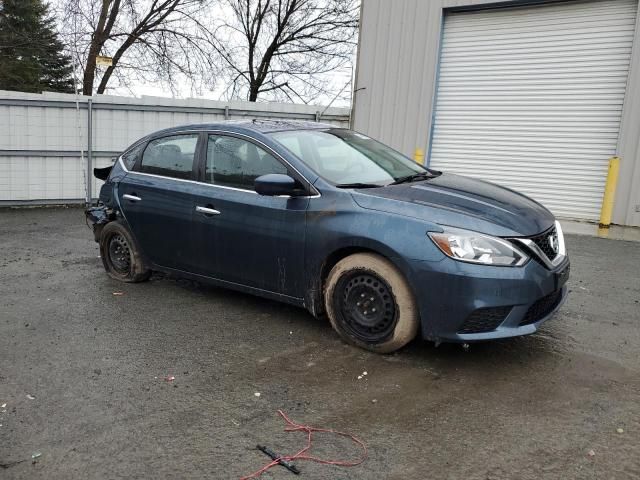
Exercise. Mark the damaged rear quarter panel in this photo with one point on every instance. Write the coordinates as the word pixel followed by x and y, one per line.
pixel 108 207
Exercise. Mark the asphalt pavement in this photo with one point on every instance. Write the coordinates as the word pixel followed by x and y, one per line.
pixel 161 380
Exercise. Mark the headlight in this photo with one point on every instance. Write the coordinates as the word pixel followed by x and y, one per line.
pixel 473 247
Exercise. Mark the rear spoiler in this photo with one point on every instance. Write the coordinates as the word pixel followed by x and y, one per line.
pixel 102 173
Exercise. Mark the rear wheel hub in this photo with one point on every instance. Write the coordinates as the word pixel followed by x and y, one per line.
pixel 119 254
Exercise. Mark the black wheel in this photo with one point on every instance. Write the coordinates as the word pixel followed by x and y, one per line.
pixel 120 255
pixel 370 304
pixel 366 307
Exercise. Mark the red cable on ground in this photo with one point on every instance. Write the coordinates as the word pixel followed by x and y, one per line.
pixel 301 455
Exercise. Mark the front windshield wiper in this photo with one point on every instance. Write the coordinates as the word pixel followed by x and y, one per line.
pixel 413 178
pixel 358 185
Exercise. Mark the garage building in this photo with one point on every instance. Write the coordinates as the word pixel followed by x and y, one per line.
pixel 532 95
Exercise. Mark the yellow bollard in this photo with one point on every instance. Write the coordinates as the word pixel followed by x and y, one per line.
pixel 609 192
pixel 418 156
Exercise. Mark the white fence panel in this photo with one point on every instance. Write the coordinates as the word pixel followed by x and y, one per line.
pixel 44 137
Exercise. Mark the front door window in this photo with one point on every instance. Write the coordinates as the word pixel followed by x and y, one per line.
pixel 234 162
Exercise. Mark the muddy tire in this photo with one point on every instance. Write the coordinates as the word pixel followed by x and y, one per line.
pixel 370 303
pixel 120 254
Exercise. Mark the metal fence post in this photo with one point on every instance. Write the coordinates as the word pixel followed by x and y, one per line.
pixel 226 112
pixel 89 192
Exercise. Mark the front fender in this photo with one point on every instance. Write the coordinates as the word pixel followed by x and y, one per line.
pixel 335 223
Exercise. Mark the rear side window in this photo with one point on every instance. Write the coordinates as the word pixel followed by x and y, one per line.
pixel 170 156
pixel 131 157
pixel 234 162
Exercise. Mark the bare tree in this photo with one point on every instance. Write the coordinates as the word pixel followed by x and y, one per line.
pixel 285 48
pixel 148 40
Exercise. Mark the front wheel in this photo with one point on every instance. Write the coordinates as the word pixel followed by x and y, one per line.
pixel 370 303
pixel 120 254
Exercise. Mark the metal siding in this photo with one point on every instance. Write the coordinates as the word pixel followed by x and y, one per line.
pixel 395 69
pixel 628 194
pixel 392 63
pixel 405 124
pixel 45 124
pixel 531 98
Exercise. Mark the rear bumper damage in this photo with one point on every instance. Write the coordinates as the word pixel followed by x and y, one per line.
pixel 97 218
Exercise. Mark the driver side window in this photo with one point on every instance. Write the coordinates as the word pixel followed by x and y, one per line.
pixel 234 162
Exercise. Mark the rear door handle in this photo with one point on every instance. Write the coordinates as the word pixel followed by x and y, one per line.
pixel 207 210
pixel 133 198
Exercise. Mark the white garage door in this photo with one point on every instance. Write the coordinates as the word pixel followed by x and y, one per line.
pixel 531 98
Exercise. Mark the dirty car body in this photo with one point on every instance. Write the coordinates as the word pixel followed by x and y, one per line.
pixel 481 261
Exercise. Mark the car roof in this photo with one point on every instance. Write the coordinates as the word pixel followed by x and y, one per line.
pixel 257 125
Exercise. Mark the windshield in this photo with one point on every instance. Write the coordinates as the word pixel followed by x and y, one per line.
pixel 344 157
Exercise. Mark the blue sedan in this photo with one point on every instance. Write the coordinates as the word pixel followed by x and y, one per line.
pixel 333 221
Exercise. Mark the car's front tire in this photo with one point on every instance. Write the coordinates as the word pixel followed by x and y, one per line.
pixel 370 303
pixel 120 254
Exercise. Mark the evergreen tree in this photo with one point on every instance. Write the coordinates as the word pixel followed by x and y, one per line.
pixel 31 55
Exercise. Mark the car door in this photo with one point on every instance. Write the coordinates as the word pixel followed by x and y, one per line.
pixel 243 237
pixel 157 199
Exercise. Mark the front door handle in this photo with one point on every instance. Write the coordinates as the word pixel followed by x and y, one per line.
pixel 133 198
pixel 207 210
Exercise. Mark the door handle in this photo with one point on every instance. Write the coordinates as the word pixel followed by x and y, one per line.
pixel 207 210
pixel 133 198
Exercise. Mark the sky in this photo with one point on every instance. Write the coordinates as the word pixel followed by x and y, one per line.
pixel 339 80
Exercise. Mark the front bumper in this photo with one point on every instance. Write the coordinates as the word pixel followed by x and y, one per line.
pixel 462 302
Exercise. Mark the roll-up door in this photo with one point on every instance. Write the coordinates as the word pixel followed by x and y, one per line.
pixel 531 98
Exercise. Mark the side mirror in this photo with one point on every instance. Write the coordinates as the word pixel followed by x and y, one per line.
pixel 275 184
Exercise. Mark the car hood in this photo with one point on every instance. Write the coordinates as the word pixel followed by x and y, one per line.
pixel 461 202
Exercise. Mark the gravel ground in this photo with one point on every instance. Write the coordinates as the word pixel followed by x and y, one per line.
pixel 82 375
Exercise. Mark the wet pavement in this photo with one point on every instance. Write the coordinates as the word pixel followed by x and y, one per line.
pixel 83 375
pixel 613 232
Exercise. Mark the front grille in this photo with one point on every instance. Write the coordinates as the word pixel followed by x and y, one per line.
pixel 542 308
pixel 543 243
pixel 485 320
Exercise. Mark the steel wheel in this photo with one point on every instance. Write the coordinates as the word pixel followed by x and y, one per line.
pixel 370 303
pixel 119 254
pixel 367 307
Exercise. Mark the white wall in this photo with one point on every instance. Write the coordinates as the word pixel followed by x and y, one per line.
pixel 42 135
